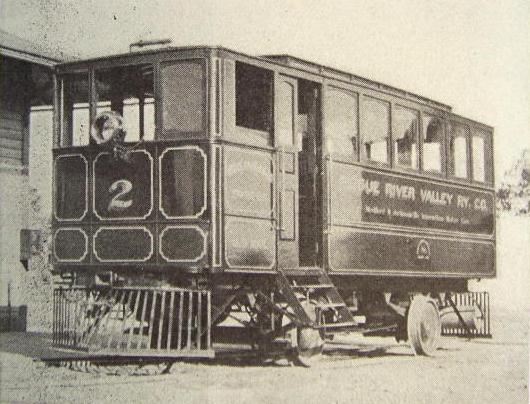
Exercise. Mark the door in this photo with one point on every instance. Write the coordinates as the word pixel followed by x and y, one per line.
pixel 287 146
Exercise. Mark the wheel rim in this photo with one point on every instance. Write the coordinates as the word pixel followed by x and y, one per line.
pixel 423 326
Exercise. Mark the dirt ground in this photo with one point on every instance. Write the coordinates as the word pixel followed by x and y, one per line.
pixel 353 369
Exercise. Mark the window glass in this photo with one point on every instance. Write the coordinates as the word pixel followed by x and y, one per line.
pixel 433 140
pixel 253 97
pixel 482 159
pixel 128 90
pixel 406 124
pixel 341 122
pixel 458 142
pixel 75 115
pixel 375 125
pixel 183 99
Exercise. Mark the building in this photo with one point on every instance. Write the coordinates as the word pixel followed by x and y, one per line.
pixel 26 97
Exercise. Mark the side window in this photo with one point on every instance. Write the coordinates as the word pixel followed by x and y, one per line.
pixel 128 90
pixel 375 129
pixel 433 143
pixel 458 147
pixel 253 89
pixel 75 115
pixel 341 122
pixel 405 136
pixel 183 99
pixel 481 156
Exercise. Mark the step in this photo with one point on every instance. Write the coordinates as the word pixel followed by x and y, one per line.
pixel 315 286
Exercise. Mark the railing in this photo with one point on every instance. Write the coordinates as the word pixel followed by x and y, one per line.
pixel 128 321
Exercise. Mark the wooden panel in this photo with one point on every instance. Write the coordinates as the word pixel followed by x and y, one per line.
pixel 11 134
pixel 13 154
pixel 357 251
pixel 10 144
pixel 363 196
pixel 13 124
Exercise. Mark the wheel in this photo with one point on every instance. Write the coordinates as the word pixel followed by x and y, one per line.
pixel 310 341
pixel 423 325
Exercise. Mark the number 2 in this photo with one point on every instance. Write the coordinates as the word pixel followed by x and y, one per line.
pixel 118 201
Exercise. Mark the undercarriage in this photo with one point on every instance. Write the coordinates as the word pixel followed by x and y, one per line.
pixel 290 315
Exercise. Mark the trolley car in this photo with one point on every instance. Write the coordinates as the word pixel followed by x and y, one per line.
pixel 202 195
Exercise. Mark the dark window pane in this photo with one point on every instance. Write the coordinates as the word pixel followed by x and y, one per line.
pixel 433 141
pixel 375 127
pixel 253 97
pixel 341 122
pixel 75 115
pixel 183 99
pixel 128 91
pixel 458 142
pixel 406 125
pixel 183 175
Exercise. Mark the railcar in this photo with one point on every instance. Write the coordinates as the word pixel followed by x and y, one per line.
pixel 203 196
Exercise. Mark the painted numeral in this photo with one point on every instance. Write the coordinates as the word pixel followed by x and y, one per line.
pixel 119 201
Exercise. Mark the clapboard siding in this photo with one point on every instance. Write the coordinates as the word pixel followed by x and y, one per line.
pixel 11 124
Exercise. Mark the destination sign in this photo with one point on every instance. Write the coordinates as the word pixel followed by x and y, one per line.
pixel 411 202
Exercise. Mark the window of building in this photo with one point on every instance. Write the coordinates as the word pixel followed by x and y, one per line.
pixel 129 91
pixel 375 129
pixel 458 147
pixel 482 160
pixel 183 99
pixel 341 122
pixel 75 115
pixel 406 125
pixel 253 97
pixel 433 143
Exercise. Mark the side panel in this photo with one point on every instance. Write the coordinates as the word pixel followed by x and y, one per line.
pixel 384 223
pixel 249 226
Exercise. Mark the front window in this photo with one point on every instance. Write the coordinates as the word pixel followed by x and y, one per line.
pixel 75 115
pixel 129 91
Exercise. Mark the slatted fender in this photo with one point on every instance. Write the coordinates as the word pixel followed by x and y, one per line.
pixel 471 317
pixel 150 322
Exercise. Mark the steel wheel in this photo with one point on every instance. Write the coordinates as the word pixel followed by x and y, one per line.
pixel 423 326
pixel 310 341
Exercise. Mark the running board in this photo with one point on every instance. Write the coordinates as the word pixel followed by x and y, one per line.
pixel 306 291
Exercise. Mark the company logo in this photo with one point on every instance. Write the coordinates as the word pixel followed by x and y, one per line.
pixel 423 250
